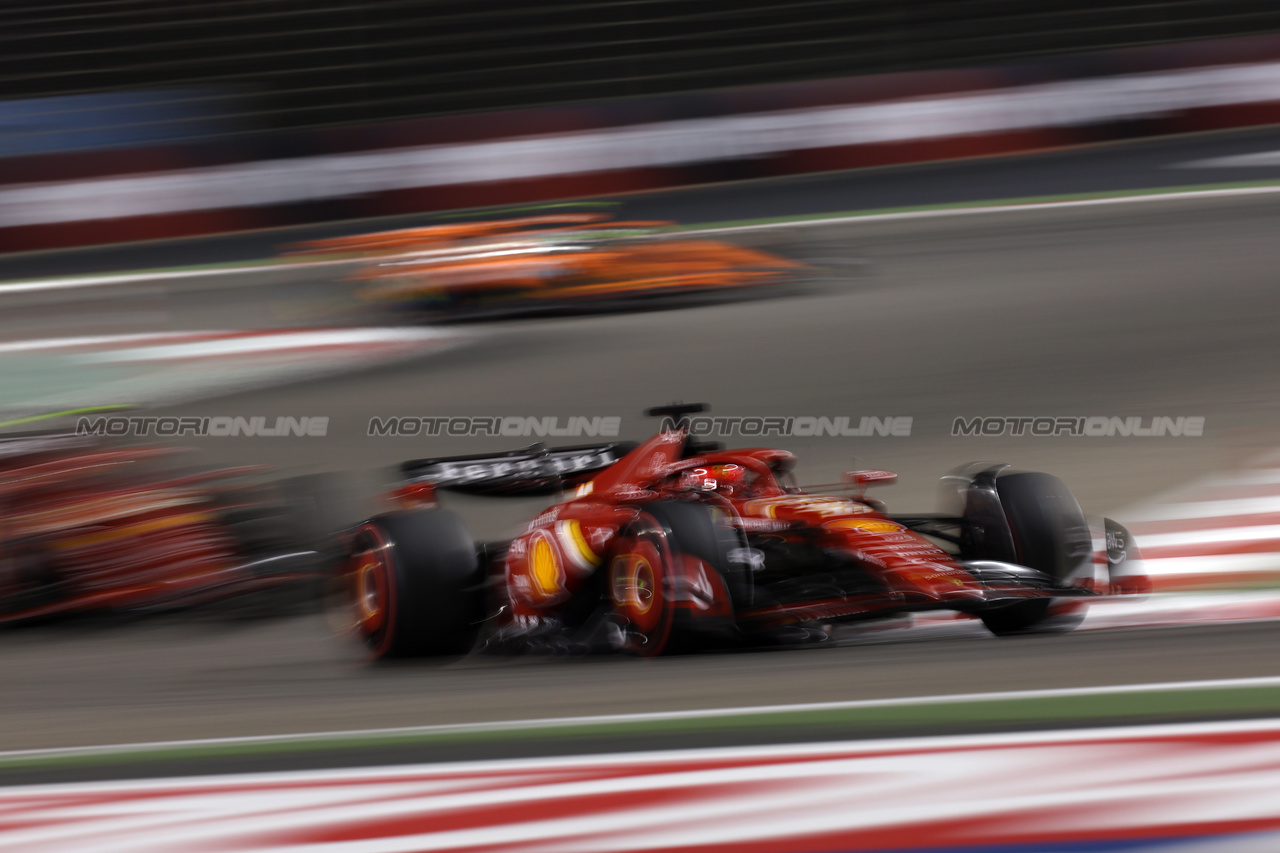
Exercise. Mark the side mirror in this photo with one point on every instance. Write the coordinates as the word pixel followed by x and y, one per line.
pixel 870 478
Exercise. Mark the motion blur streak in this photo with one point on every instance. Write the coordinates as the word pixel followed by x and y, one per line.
pixel 164 367
pixel 89 526
pixel 1219 531
pixel 542 262
pixel 1206 787
pixel 672 143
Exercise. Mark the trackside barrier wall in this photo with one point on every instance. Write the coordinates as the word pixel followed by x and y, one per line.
pixel 147 192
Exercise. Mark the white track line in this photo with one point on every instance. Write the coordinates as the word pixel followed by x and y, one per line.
pixel 41 344
pixel 71 282
pixel 241 343
pixel 652 717
pixel 1260 158
pixel 215 342
pixel 1226 192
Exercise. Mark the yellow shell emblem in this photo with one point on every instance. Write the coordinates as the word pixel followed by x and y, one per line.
pixel 545 568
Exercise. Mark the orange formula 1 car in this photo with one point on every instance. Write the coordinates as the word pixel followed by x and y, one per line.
pixel 545 264
pixel 85 527
pixel 672 544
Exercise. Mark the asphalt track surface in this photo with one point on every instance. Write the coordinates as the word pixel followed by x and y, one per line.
pixel 1163 308
pixel 178 678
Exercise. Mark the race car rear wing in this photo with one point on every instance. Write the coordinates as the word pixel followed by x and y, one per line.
pixel 535 470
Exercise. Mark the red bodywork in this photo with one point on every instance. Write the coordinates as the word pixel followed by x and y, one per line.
pixel 566 546
pixel 671 545
pixel 85 528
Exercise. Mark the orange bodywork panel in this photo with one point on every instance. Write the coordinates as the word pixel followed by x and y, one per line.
pixel 556 258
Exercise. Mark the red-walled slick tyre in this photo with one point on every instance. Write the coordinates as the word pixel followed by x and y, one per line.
pixel 415 584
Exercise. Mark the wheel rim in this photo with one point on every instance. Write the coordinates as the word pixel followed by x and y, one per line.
pixel 371 593
pixel 637 576
pixel 634 589
pixel 370 585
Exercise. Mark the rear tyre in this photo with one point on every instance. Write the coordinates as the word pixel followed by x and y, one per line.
pixel 1050 534
pixel 416 585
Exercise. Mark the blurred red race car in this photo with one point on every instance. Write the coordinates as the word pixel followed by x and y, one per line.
pixel 675 545
pixel 90 527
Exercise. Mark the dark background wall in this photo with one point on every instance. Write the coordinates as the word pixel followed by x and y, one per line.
pixel 304 63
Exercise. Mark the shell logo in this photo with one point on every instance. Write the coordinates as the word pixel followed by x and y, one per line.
pixel 544 566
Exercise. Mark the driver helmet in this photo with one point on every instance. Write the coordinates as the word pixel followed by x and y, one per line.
pixel 726 478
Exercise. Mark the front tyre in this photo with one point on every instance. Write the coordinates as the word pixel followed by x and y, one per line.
pixel 670 583
pixel 415 583
pixel 1050 534
pixel 639 586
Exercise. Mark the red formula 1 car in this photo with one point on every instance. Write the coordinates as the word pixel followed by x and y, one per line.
pixel 88 527
pixel 673 545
